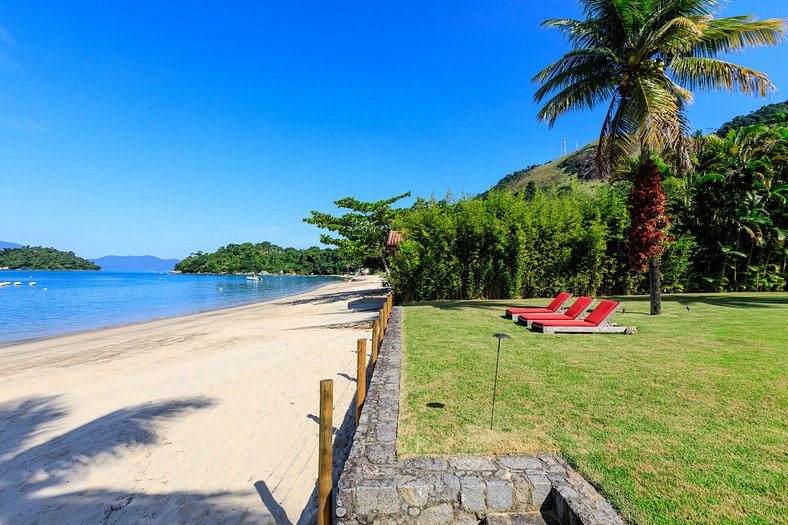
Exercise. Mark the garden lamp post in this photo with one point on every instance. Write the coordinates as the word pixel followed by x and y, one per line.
pixel 495 387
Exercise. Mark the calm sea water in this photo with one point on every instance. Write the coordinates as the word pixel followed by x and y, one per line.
pixel 65 302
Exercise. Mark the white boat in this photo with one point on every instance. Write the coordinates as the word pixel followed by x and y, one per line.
pixel 253 277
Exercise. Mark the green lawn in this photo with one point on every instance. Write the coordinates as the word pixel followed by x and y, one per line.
pixel 684 422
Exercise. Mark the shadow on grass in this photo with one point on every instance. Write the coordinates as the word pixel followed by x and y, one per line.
pixel 727 300
pixel 33 477
pixel 732 300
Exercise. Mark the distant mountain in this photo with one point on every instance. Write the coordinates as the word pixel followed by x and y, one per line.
pixel 135 263
pixel 4 245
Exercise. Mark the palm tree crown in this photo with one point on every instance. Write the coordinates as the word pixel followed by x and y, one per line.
pixel 644 58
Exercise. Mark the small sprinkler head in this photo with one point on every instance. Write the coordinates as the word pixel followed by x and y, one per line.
pixel 502 336
pixel 688 309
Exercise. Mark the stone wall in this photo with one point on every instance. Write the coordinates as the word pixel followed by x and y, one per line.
pixel 378 487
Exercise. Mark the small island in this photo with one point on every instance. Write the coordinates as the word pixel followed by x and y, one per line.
pixel 40 258
pixel 265 257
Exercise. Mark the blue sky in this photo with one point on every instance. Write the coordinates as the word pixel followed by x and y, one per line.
pixel 165 128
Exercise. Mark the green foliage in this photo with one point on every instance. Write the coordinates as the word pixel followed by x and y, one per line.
pixel 265 257
pixel 734 204
pixel 769 114
pixel 38 258
pixel 507 246
pixel 729 231
pixel 363 232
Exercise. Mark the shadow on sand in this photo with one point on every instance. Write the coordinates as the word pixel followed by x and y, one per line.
pixel 337 297
pixel 52 464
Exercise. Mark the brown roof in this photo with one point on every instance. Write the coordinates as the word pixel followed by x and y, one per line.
pixel 394 238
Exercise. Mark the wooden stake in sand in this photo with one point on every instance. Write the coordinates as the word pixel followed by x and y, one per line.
pixel 375 344
pixel 324 482
pixel 361 377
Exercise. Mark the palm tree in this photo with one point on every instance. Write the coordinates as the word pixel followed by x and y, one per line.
pixel 643 58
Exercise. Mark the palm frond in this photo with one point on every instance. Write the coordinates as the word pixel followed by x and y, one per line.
pixel 584 94
pixel 616 140
pixel 732 34
pixel 581 58
pixel 672 37
pixel 714 74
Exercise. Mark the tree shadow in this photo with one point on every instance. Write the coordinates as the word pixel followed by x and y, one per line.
pixel 336 297
pixel 33 477
pixel 774 300
pixel 731 300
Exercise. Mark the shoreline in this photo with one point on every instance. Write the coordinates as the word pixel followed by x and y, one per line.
pixel 9 344
pixel 204 418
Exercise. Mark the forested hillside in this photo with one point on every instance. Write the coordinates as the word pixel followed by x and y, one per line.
pixel 38 258
pixel 580 164
pixel 264 257
pixel 769 114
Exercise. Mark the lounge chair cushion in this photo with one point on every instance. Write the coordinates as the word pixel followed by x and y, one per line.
pixel 580 306
pixel 556 303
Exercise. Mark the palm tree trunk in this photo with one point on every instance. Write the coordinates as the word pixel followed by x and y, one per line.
pixel 655 286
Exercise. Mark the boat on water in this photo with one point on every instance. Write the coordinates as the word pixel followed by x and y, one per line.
pixel 253 277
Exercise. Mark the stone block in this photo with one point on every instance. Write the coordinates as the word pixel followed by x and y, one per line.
pixel 472 491
pixel 472 463
pixel 344 501
pixel 499 494
pixel 522 492
pixel 540 489
pixel 377 497
pixel 381 453
pixel 415 492
pixel 520 462
pixel 438 515
pixel 438 464
pixel 444 487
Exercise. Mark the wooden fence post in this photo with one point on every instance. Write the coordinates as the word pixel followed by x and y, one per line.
pixel 382 317
pixel 325 509
pixel 375 343
pixel 361 377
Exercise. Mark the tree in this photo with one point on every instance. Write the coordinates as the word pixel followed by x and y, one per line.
pixel 647 231
pixel 642 58
pixel 363 232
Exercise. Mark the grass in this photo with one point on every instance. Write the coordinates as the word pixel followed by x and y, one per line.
pixel 684 422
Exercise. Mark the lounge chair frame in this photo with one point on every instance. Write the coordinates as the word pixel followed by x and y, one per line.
pixel 604 327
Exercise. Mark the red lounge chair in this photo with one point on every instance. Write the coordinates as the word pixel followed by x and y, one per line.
pixel 555 307
pixel 574 312
pixel 596 321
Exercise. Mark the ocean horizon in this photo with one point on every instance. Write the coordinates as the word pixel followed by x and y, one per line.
pixel 65 302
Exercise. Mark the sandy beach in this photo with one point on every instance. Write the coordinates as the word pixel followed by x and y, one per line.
pixel 206 418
